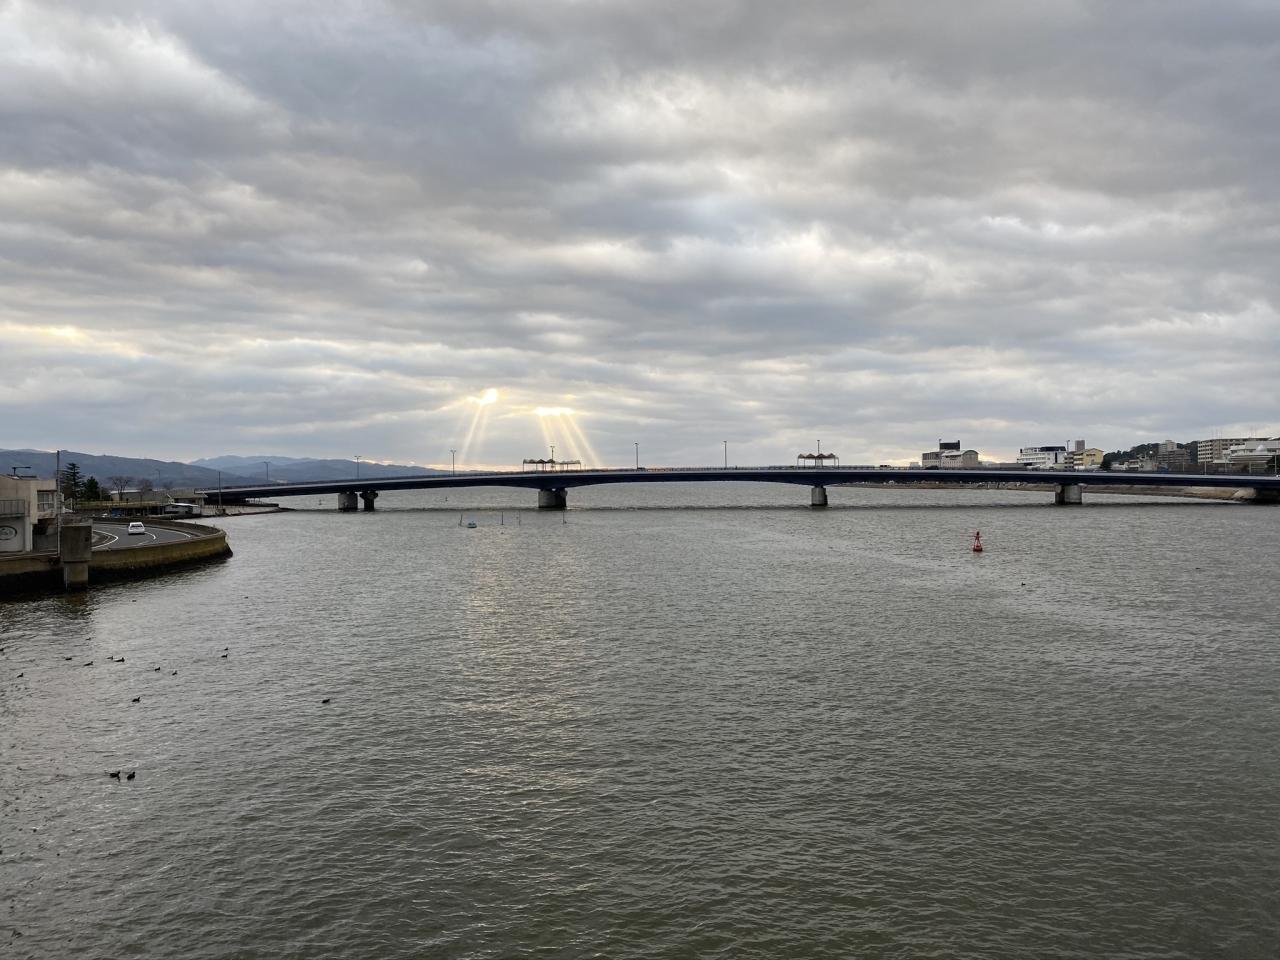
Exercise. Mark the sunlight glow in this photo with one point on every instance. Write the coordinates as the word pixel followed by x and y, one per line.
pixel 558 427
pixel 474 441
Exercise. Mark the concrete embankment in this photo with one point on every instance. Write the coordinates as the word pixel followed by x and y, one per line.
pixel 29 572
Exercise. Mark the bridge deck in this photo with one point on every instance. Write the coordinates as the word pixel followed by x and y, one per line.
pixel 546 480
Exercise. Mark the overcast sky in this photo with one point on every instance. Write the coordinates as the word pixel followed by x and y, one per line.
pixel 333 229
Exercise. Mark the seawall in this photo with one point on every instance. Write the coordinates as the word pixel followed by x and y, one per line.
pixel 30 572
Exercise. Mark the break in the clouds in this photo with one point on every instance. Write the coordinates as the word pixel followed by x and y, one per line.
pixel 333 229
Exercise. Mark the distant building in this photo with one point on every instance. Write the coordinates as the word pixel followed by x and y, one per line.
pixel 1215 450
pixel 1043 458
pixel 932 459
pixel 28 514
pixel 1172 458
pixel 1254 453
pixel 1083 458
pixel 958 459
pixel 153 503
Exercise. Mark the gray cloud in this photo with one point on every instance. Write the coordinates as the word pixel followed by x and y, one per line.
pixel 320 230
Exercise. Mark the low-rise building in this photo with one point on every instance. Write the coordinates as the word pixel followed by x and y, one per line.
pixel 959 459
pixel 1215 450
pixel 1084 458
pixel 1043 458
pixel 1254 453
pixel 28 514
pixel 932 459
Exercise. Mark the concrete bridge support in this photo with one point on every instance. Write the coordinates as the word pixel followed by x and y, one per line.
pixel 553 499
pixel 1265 496
pixel 347 502
pixel 368 496
pixel 1069 494
pixel 818 497
pixel 75 546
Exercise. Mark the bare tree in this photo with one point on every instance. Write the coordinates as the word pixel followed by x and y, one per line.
pixel 145 485
pixel 118 484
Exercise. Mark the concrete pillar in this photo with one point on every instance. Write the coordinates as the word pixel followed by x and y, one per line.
pixel 75 546
pixel 368 496
pixel 818 497
pixel 1265 495
pixel 347 502
pixel 1069 494
pixel 553 499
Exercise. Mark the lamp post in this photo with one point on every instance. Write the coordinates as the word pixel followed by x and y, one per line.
pixel 266 465
pixel 357 466
pixel 453 461
pixel 637 445
pixel 726 454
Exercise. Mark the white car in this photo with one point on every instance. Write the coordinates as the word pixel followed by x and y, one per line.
pixel 136 527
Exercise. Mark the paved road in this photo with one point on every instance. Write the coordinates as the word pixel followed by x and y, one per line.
pixel 121 540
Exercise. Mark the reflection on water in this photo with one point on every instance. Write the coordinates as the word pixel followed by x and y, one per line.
pixel 742 729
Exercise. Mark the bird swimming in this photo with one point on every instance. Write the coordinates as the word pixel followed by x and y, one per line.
pixel 114 776
pixel 136 699
pixel 325 700
pixel 131 774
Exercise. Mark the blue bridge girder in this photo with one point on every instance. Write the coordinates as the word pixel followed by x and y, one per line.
pixel 810 477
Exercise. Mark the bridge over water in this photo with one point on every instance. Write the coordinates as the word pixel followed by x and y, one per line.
pixel 553 486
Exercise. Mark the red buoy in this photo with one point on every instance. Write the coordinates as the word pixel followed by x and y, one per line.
pixel 977 542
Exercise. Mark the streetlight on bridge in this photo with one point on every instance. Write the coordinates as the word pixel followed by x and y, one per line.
pixel 726 454
pixel 453 460
pixel 637 445
pixel 357 468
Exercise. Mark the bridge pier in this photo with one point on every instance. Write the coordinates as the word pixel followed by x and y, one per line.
pixel 75 547
pixel 1265 495
pixel 1068 494
pixel 818 496
pixel 347 502
pixel 368 496
pixel 555 499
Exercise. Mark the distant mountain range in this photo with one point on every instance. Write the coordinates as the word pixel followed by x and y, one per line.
pixel 294 469
pixel 199 473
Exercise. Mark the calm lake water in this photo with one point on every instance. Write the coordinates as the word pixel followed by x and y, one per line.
pixel 688 722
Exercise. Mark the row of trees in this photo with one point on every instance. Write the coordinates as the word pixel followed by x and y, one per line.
pixel 74 485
